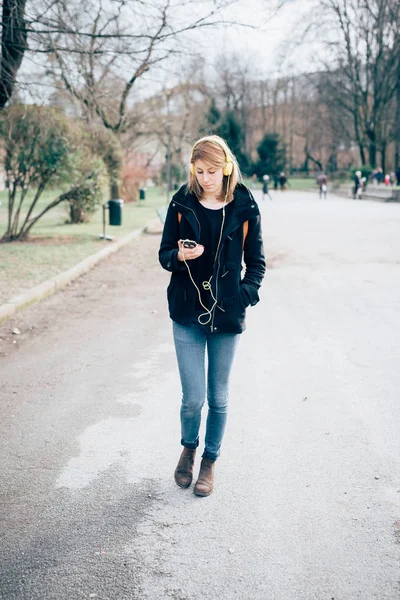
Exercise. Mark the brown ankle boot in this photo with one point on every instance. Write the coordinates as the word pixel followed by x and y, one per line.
pixel 184 469
pixel 205 483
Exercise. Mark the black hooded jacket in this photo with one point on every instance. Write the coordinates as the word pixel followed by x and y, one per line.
pixel 233 293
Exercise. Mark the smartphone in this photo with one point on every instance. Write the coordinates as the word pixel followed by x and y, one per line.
pixel 189 243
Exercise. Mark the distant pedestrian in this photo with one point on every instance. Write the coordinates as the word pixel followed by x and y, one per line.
pixel 357 185
pixel 398 175
pixel 254 181
pixel 276 182
pixel 322 181
pixel 386 179
pixel 282 181
pixel 265 187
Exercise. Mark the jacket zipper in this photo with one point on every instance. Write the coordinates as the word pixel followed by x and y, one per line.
pixel 216 287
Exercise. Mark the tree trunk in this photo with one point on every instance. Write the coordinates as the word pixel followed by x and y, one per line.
pixel 114 190
pixel 383 158
pixel 397 124
pixel 305 164
pixel 13 46
pixel 362 154
pixel 76 214
pixel 11 200
pixel 372 150
pixel 332 163
pixel 315 161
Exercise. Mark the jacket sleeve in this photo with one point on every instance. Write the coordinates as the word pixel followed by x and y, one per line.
pixel 168 253
pixel 254 259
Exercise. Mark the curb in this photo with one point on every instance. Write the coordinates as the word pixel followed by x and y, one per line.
pixel 49 287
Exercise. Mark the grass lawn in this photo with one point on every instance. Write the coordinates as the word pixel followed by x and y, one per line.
pixel 297 183
pixel 55 246
pixel 294 183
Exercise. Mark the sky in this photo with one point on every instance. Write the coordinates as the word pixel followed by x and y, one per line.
pixel 270 41
pixel 266 43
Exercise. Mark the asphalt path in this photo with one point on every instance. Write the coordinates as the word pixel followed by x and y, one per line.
pixel 307 497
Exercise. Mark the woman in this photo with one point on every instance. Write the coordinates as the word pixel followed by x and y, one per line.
pixel 218 217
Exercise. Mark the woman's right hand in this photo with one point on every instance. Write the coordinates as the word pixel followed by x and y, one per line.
pixel 189 253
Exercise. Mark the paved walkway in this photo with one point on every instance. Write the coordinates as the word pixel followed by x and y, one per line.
pixel 307 501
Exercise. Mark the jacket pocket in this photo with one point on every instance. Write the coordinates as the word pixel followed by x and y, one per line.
pixel 244 297
pixel 249 294
pixel 229 268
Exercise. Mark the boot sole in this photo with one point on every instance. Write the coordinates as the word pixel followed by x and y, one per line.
pixel 202 494
pixel 183 486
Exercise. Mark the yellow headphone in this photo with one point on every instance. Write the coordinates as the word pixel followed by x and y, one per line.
pixel 228 166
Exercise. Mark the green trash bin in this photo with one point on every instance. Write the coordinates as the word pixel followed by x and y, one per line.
pixel 142 194
pixel 115 211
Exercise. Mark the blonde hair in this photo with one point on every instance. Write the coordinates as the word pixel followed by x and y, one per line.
pixel 214 151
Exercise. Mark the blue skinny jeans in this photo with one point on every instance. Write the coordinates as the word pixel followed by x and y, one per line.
pixel 190 346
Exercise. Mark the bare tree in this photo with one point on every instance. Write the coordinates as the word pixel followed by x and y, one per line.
pixel 175 117
pixel 101 51
pixel 237 91
pixel 91 46
pixel 363 75
pixel 396 127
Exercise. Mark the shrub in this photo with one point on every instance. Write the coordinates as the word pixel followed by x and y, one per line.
pixel 366 171
pixel 86 196
pixel 42 148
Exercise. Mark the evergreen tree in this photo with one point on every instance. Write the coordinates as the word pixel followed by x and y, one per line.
pixel 212 119
pixel 213 115
pixel 272 155
pixel 232 132
pixel 229 128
